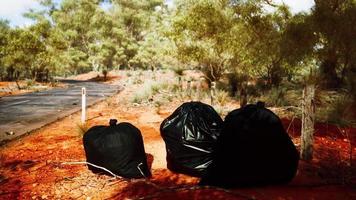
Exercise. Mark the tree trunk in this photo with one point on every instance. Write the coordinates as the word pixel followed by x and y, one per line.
pixel 10 73
pixel 276 75
pixel 243 96
pixel 308 117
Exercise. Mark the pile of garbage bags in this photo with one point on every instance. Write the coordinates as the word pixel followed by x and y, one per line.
pixel 249 148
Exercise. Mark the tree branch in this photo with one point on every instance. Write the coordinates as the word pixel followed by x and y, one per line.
pixel 270 2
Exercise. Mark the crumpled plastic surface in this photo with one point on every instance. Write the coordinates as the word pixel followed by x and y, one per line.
pixel 118 148
pixel 253 150
pixel 190 134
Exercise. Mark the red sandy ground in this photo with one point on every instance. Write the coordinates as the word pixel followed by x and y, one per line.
pixel 32 167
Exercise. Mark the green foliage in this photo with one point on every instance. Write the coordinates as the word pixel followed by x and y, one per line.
pixel 79 36
pixel 239 39
pixel 24 53
pixel 201 31
pixel 146 91
pixel 4 32
pixel 155 89
pixel 336 108
pixel 276 97
pixel 30 83
pixel 325 35
pixel 340 112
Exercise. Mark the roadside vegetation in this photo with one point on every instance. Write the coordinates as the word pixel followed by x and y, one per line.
pixel 250 49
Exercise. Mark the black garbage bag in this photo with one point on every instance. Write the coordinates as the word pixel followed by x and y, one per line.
pixel 190 134
pixel 118 148
pixel 253 150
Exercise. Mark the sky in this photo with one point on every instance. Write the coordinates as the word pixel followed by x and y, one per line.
pixel 297 5
pixel 12 10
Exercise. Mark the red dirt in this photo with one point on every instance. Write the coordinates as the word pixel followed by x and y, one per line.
pixel 32 167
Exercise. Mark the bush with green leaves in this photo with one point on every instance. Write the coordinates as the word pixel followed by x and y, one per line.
pixel 336 108
pixel 275 97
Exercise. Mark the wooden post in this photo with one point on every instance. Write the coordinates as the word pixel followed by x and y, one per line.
pixel 308 117
pixel 212 92
pixel 180 83
pixel 189 88
pixel 83 105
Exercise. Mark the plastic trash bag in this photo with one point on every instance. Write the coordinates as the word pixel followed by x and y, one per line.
pixel 253 149
pixel 190 134
pixel 118 148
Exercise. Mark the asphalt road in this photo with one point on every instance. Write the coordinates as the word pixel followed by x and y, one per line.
pixel 21 114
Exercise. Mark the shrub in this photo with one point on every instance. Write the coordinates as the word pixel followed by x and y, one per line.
pixel 142 94
pixel 82 128
pixel 174 88
pixel 155 88
pixel 149 89
pixel 276 97
pixel 30 83
pixel 340 111
pixel 221 97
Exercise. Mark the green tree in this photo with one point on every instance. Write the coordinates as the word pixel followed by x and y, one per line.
pixel 264 40
pixel 135 17
pixel 75 20
pixel 238 37
pixel 153 47
pixel 202 32
pixel 21 52
pixel 4 31
pixel 326 36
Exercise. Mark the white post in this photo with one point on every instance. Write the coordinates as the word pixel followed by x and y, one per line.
pixel 84 93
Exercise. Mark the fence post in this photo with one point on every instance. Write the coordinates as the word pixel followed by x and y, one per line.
pixel 83 105
pixel 308 118
pixel 212 92
pixel 189 88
